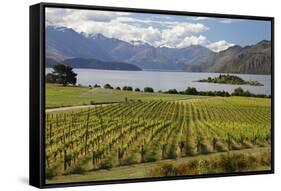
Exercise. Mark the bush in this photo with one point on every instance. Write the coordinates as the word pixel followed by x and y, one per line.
pixel 50 173
pixel 96 86
pixel 172 154
pixel 152 156
pixel 172 91
pixel 106 164
pixel 181 169
pixel 118 88
pixel 137 90
pixel 148 89
pixel 168 170
pixel 78 170
pixel 133 158
pixel 238 162
pixel 191 91
pixel 107 86
pixel 127 88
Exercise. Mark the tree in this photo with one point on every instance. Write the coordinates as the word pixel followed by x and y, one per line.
pixel 96 86
pixel 172 91
pixel 62 74
pixel 50 78
pixel 127 88
pixel 107 86
pixel 137 90
pixel 191 91
pixel 148 89
pixel 238 92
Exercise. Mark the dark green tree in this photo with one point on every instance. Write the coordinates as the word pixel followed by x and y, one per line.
pixel 62 74
pixel 148 89
pixel 191 91
pixel 107 86
pixel 238 92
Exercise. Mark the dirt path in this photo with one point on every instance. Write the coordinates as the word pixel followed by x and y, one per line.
pixel 77 107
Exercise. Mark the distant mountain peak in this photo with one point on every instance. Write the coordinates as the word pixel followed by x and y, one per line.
pixel 64 43
pixel 98 36
pixel 265 42
pixel 59 28
pixel 232 48
pixel 251 59
pixel 139 43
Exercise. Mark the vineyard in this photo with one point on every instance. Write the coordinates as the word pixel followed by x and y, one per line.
pixel 104 137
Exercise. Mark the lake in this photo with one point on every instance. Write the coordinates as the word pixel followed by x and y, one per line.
pixel 163 80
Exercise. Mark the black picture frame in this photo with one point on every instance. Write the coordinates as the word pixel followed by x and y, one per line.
pixel 37 93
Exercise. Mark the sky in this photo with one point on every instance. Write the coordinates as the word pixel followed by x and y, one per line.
pixel 157 30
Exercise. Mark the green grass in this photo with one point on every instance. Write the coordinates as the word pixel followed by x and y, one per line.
pixel 144 170
pixel 59 96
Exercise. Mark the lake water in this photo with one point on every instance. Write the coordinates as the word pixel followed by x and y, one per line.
pixel 160 80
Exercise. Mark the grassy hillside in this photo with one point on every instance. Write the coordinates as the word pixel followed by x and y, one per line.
pixel 59 96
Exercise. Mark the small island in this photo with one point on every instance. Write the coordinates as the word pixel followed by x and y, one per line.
pixel 231 79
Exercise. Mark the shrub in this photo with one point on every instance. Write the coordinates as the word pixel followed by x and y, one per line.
pixel 96 86
pixel 137 90
pixel 172 91
pixel 168 170
pixel 181 169
pixel 50 173
pixel 118 88
pixel 107 86
pixel 78 170
pixel 133 158
pixel 173 152
pixel 107 163
pixel 238 162
pixel 152 156
pixel 191 91
pixel 148 89
pixel 127 88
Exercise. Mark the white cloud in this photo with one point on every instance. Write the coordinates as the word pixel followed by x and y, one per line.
pixel 201 18
pixel 229 21
pixel 125 27
pixel 67 16
pixel 146 21
pixel 219 45
pixel 174 36
pixel 193 40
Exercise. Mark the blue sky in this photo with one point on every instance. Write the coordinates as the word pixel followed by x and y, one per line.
pixel 242 32
pixel 172 31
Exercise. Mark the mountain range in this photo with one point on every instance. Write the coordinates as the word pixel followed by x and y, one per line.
pixel 255 59
pixel 64 45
